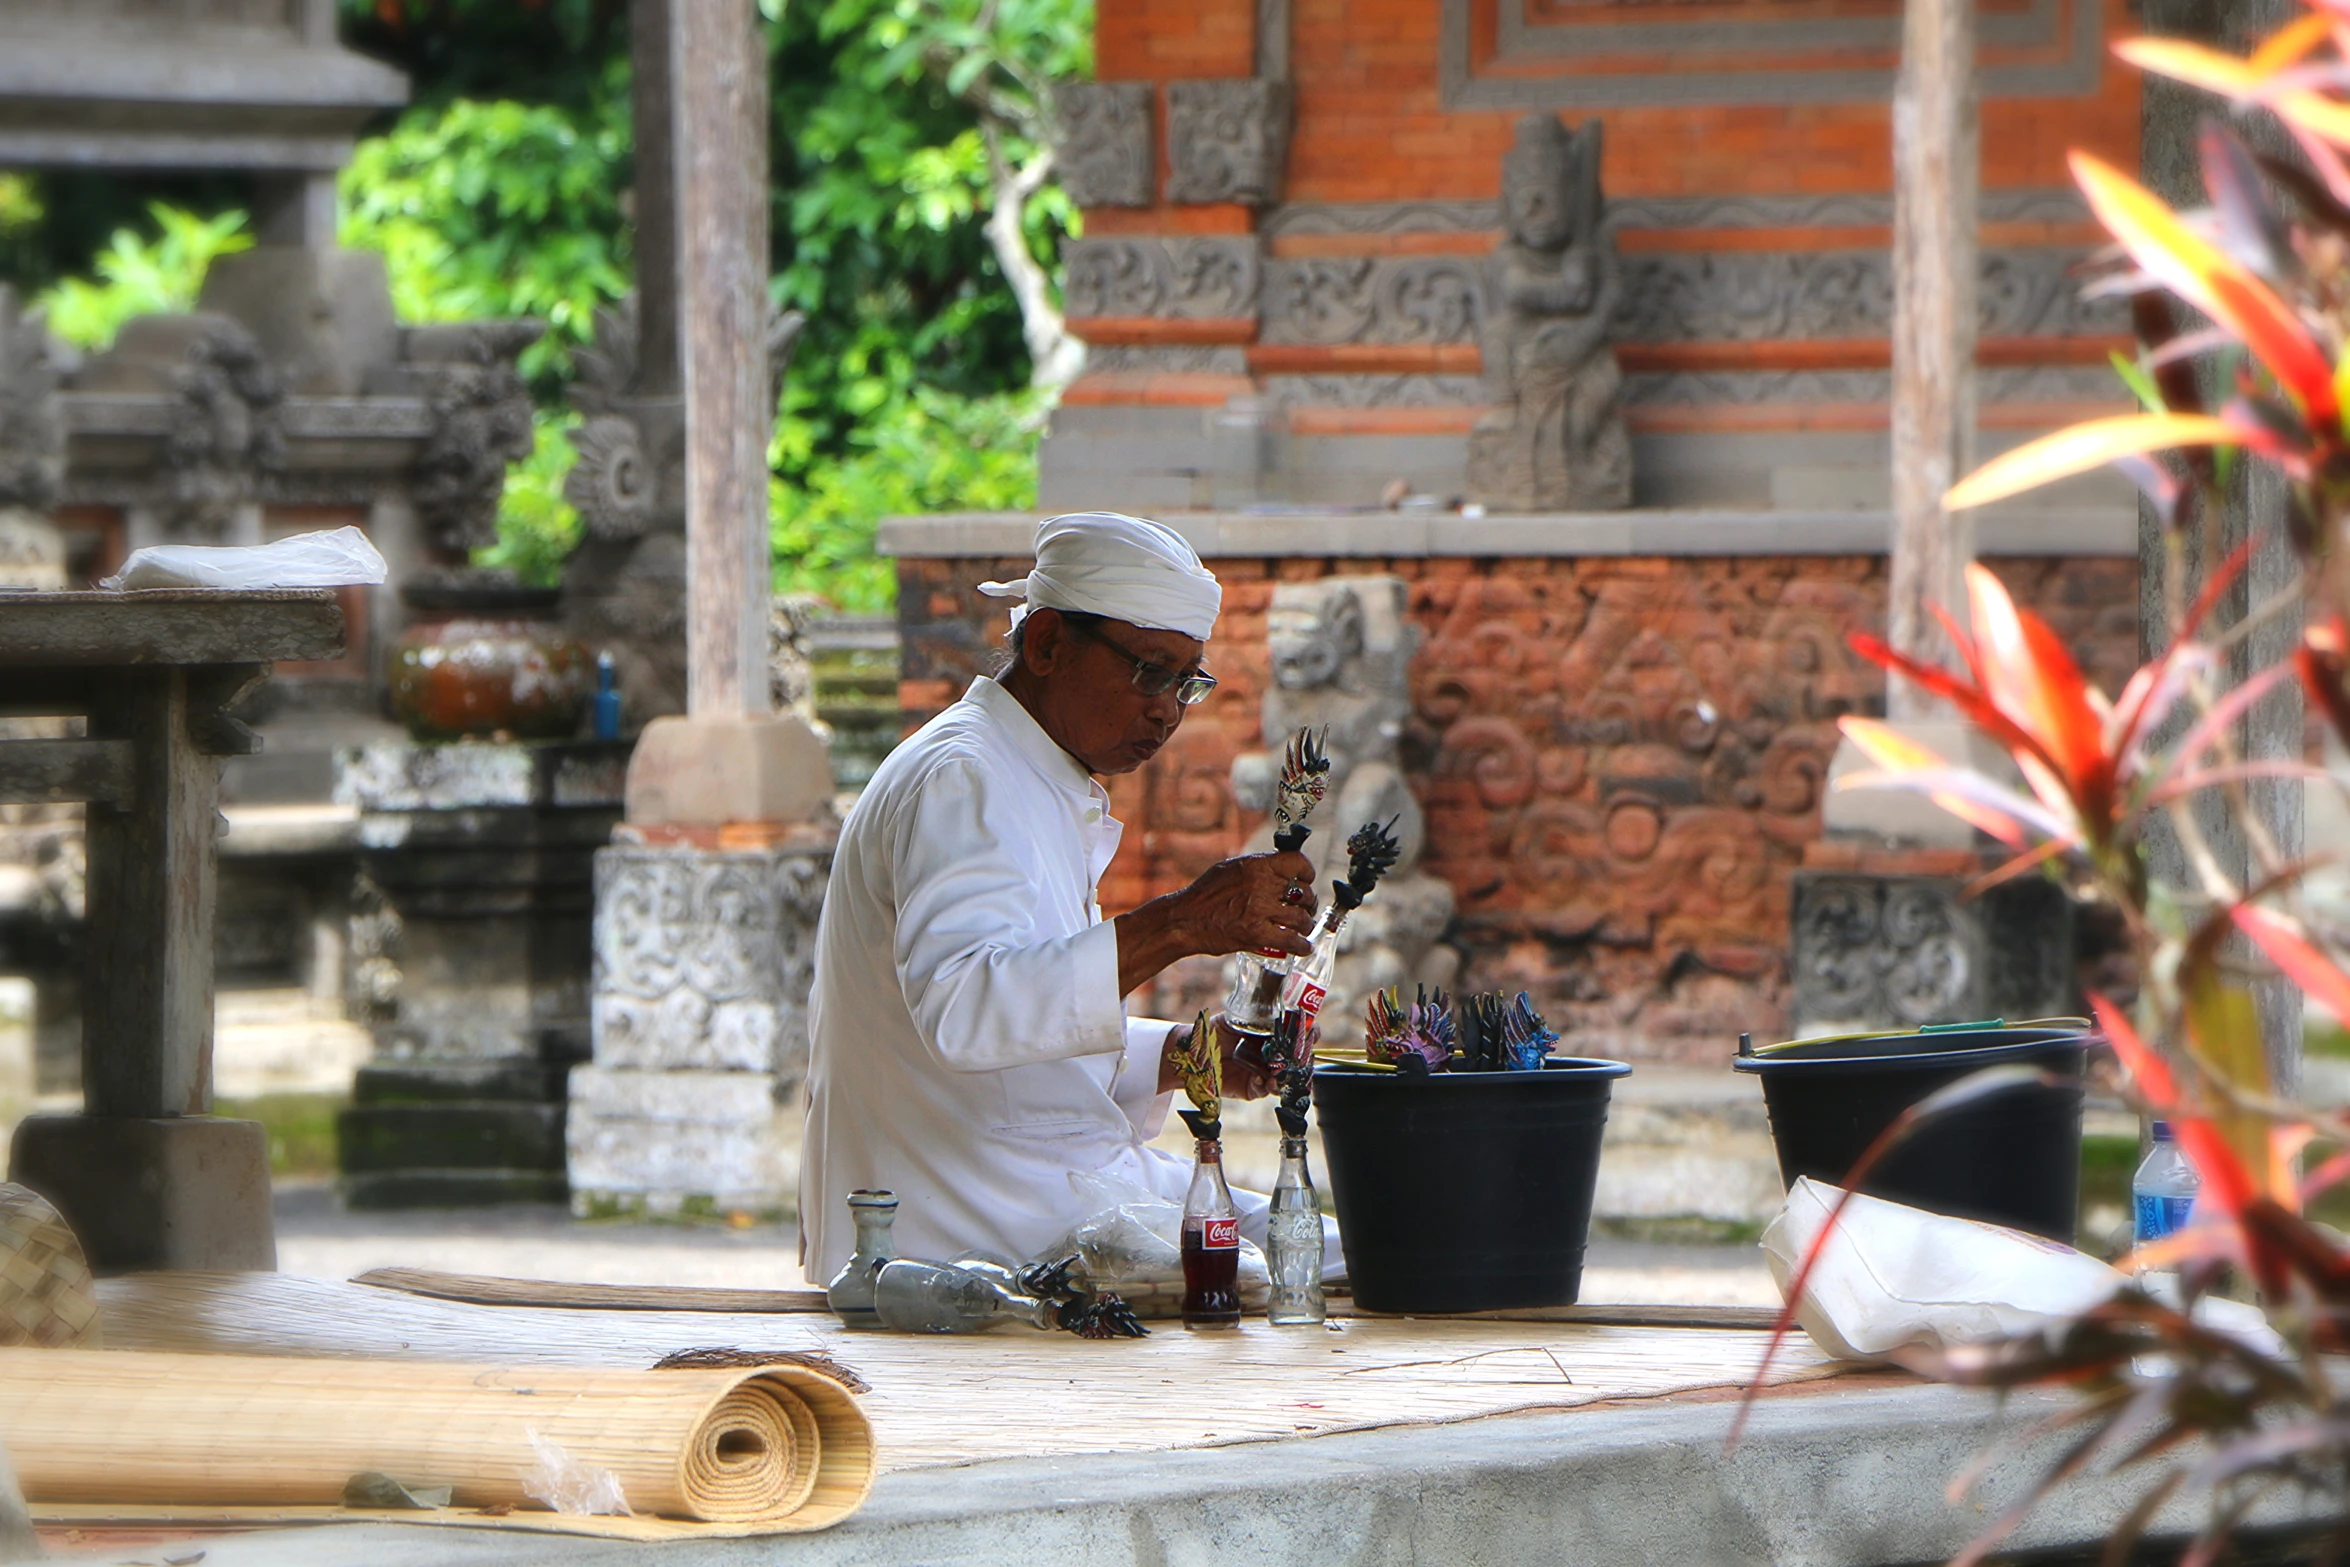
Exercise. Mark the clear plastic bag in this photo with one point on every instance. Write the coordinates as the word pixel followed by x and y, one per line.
pixel 565 1484
pixel 338 558
pixel 1131 1242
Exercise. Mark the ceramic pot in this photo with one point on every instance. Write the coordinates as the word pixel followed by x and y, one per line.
pixel 483 660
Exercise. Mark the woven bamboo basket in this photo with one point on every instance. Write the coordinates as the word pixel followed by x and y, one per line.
pixel 47 1298
pixel 780 1447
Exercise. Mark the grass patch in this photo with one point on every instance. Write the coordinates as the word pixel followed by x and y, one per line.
pixel 1680 1229
pixel 300 1127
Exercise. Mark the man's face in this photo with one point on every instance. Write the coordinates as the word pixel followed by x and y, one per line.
pixel 1087 700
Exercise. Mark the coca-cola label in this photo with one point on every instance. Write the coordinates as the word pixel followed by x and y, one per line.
pixel 1220 1234
pixel 1309 999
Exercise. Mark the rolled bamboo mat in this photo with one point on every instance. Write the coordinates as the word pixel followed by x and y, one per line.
pixel 760 1449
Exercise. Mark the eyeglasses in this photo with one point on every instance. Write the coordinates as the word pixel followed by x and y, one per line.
pixel 1154 679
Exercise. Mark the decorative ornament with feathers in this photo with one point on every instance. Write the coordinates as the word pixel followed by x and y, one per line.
pixel 1200 1066
pixel 1370 854
pixel 1305 778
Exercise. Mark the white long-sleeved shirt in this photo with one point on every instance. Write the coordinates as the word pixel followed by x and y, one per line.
pixel 968 1047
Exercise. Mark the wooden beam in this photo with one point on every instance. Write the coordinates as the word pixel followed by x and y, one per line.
pixel 168 626
pixel 718 89
pixel 1937 174
pixel 147 1000
pixel 44 772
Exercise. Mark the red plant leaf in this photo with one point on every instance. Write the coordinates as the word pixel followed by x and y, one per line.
pixel 2092 444
pixel 2033 680
pixel 2302 963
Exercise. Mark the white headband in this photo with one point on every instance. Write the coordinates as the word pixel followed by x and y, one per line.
pixel 1125 568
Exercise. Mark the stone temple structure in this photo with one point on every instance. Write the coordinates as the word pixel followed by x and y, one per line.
pixel 1350 314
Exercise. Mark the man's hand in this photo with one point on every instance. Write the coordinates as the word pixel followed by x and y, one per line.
pixel 1253 902
pixel 1241 1080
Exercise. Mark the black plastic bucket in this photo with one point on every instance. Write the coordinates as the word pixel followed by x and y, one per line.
pixel 1464 1191
pixel 2013 1158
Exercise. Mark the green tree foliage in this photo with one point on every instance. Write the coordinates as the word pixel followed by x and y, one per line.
pixel 143 273
pixel 499 209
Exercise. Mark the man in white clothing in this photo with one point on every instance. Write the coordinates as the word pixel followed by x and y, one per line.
pixel 970 1050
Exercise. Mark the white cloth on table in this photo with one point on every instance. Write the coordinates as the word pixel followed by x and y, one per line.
pixel 968 1048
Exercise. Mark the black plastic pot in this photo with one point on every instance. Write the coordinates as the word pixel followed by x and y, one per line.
pixel 1465 1191
pixel 2014 1158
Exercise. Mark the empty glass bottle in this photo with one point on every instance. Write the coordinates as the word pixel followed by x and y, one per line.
pixel 930 1297
pixel 1293 1243
pixel 850 1294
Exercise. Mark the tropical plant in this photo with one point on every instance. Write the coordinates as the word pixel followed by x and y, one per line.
pixel 2204 1412
pixel 141 274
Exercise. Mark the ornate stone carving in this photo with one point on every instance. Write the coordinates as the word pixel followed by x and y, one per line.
pixel 224 431
pixel 1878 951
pixel 32 422
pixel 1555 439
pixel 1227 140
pixel 1106 154
pixel 1341 651
pixel 1741 296
pixel 481 423
pixel 1375 391
pixel 2053 205
pixel 1179 358
pixel 1207 277
pixel 1363 299
pixel 703 962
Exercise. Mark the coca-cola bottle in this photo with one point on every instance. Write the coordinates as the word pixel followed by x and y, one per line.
pixel 1293 1242
pixel 1211 1245
pixel 1309 980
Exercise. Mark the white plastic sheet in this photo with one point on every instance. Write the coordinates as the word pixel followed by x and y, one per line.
pixel 339 558
pixel 1895 1277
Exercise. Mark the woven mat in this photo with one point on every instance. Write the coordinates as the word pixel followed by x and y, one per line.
pixel 46 1295
pixel 1011 1393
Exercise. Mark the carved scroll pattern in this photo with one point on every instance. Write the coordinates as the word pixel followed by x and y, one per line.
pixel 1192 278
pixel 1227 140
pixel 1105 150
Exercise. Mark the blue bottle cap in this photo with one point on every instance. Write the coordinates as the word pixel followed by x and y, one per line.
pixel 2161 1132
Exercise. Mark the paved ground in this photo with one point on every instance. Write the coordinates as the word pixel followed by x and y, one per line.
pixel 315 1236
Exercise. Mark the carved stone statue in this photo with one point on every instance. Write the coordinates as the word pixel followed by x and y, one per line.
pixel 481 423
pixel 1555 438
pixel 1341 650
pixel 624 587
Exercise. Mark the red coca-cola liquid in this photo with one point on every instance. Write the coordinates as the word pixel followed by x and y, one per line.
pixel 1211 1273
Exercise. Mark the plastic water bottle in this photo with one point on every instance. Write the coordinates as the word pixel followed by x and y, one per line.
pixel 2163 1191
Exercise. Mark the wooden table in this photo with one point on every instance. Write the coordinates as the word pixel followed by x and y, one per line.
pixel 144 1174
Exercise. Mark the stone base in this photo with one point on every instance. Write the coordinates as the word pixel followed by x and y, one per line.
pixel 453 1135
pixel 703 961
pixel 681 1141
pixel 707 772
pixel 179 1192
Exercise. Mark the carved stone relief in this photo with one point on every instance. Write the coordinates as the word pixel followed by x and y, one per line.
pixel 1555 438
pixel 481 424
pixel 1899 951
pixel 1106 154
pixel 1214 276
pixel 1364 299
pixel 702 968
pixel 32 421
pixel 1375 391
pixel 225 432
pixel 1174 358
pixel 1227 140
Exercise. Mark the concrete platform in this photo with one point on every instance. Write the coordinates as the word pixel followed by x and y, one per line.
pixel 1846 1474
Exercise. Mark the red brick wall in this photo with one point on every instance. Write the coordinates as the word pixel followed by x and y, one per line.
pixel 1620 758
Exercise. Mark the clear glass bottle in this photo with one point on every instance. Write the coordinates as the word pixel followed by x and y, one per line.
pixel 2163 1191
pixel 1293 1243
pixel 1255 1002
pixel 930 1297
pixel 1211 1244
pixel 850 1294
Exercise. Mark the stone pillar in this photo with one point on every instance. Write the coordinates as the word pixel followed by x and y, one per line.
pixel 704 956
pixel 706 904
pixel 484 851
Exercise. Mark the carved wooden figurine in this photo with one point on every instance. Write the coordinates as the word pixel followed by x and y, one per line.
pixel 1555 439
